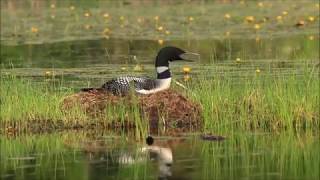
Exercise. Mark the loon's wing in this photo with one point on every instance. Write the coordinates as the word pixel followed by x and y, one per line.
pixel 144 83
pixel 122 85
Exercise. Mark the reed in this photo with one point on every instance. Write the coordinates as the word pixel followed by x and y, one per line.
pixel 266 102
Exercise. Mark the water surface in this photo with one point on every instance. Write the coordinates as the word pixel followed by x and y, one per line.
pixel 105 155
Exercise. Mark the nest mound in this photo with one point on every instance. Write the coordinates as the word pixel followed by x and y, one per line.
pixel 166 108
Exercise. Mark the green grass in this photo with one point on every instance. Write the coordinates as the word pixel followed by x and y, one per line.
pixel 261 101
pixel 253 102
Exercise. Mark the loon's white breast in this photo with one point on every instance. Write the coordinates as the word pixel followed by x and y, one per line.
pixel 161 84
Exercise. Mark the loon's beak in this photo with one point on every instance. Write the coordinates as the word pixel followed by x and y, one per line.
pixel 188 56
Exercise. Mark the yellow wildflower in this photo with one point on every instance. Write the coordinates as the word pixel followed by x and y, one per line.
pixel 139 20
pixel 249 19
pixel 257 26
pixel 186 77
pixel 238 60
pixel 227 16
pixel 106 15
pixel 186 69
pixel 53 6
pixel 71 8
pixel 311 38
pixel 160 41
pixel 284 13
pixel 260 4
pixel 191 18
pixel 87 14
pixel 311 18
pixel 34 30
pixel 156 18
pixel 121 18
pixel 167 32
pixel 106 31
pixel 88 26
pixel 160 28
pixel 279 18
pixel 138 68
pixel 258 71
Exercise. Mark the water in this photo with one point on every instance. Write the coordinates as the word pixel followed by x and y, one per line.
pixel 70 48
pixel 94 61
pixel 105 155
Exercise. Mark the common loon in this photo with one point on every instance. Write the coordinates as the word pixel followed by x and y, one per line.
pixel 146 85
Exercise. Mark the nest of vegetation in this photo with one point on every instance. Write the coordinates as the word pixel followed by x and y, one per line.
pixel 167 108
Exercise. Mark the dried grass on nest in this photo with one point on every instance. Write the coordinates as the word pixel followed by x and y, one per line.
pixel 168 108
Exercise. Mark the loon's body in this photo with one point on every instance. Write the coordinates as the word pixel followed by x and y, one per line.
pixel 146 85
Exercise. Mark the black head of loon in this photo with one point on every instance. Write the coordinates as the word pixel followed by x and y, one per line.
pixel 171 53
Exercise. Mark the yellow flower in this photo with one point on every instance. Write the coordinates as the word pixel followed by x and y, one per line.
pixel 156 18
pixel 160 28
pixel 34 30
pixel 284 13
pixel 260 4
pixel 139 20
pixel 71 8
pixel 227 33
pixel 53 6
pixel 242 2
pixel 191 18
pixel 227 16
pixel 48 73
pixel 106 31
pixel 121 18
pixel 123 68
pixel 257 26
pixel 311 38
pixel 167 32
pixel 279 18
pixel 88 26
pixel 186 69
pixel 53 16
pixel 249 19
pixel 186 77
pixel 300 23
pixel 106 15
pixel 258 71
pixel 87 14
pixel 138 68
pixel 160 41
pixel 238 60
pixel 311 18
pixel 317 5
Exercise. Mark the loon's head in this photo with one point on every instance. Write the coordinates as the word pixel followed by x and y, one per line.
pixel 171 53
pixel 165 55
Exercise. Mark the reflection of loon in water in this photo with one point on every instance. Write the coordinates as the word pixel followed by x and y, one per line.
pixel 161 154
